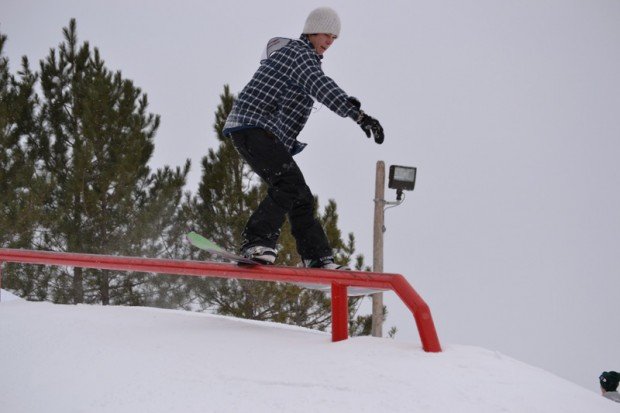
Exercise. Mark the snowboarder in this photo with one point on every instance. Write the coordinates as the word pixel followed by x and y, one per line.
pixel 264 123
pixel 609 385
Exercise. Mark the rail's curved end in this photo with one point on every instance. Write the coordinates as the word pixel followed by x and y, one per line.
pixel 421 313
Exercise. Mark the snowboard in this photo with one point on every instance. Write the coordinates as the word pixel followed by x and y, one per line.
pixel 206 244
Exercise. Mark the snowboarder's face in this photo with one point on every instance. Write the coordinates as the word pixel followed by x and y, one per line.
pixel 321 41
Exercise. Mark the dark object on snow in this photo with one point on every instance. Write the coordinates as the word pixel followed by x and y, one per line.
pixel 609 380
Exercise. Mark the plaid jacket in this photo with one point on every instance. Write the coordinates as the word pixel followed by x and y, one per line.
pixel 278 98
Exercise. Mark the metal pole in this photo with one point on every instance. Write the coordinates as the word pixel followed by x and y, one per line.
pixel 340 312
pixel 377 256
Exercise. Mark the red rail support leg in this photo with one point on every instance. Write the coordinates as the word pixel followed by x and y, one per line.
pixel 421 313
pixel 340 312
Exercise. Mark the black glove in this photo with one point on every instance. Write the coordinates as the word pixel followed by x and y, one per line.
pixel 371 125
pixel 367 123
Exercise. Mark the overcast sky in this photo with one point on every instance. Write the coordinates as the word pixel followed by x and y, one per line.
pixel 509 109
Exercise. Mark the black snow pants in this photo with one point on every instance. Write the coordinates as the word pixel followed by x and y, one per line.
pixel 288 194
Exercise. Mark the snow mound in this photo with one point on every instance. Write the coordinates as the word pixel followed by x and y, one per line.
pixel 6 296
pixel 58 358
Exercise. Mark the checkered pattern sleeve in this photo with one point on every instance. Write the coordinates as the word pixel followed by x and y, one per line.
pixel 307 72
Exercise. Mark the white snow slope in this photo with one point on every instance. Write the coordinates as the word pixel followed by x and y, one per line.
pixel 66 358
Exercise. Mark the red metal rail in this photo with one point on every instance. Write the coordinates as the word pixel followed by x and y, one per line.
pixel 339 281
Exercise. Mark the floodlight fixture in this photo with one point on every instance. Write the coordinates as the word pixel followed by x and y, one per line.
pixel 402 178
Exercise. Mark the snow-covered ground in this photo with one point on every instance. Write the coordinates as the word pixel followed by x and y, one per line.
pixel 65 358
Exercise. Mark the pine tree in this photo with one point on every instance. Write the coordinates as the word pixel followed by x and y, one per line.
pixel 96 140
pixel 19 183
pixel 228 191
pixel 21 187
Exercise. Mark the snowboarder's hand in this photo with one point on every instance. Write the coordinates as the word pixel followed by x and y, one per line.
pixel 370 126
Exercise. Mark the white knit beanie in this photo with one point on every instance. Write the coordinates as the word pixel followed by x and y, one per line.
pixel 322 20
